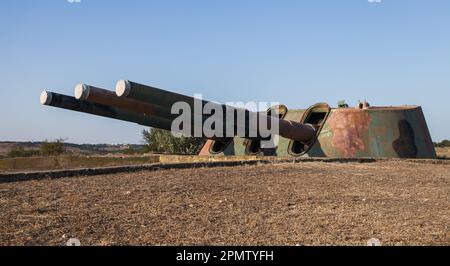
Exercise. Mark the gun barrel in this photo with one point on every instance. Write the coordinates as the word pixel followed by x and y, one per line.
pixel 152 107
pixel 106 97
pixel 71 103
pixel 149 94
pixel 166 99
pixel 297 131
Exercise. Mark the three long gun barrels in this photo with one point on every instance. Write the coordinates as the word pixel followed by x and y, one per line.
pixel 150 106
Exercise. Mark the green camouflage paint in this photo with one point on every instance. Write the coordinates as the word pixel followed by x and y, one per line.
pixel 376 132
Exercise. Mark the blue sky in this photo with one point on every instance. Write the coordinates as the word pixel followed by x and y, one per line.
pixel 294 52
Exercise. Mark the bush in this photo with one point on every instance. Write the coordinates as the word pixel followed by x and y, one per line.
pixel 52 148
pixel 131 151
pixel 21 152
pixel 162 141
pixel 442 144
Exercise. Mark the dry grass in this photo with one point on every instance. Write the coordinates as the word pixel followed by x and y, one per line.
pixel 443 152
pixel 400 203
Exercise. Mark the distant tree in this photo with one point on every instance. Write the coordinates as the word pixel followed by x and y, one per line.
pixel 162 141
pixel 52 148
pixel 444 143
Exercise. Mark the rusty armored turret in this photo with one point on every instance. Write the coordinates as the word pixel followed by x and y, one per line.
pixel 319 131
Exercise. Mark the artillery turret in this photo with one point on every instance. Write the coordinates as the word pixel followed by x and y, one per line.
pixel 319 131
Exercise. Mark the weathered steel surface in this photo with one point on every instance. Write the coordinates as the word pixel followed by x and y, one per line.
pixel 349 127
pixel 389 132
pixel 393 132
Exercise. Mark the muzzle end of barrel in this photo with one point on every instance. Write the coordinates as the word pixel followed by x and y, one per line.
pixel 46 98
pixel 82 91
pixel 123 88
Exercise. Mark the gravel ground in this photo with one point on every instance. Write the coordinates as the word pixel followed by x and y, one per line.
pixel 308 203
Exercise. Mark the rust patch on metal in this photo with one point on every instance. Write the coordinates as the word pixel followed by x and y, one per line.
pixel 206 147
pixel 349 127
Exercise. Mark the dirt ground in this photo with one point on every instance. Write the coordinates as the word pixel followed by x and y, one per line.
pixel 308 203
